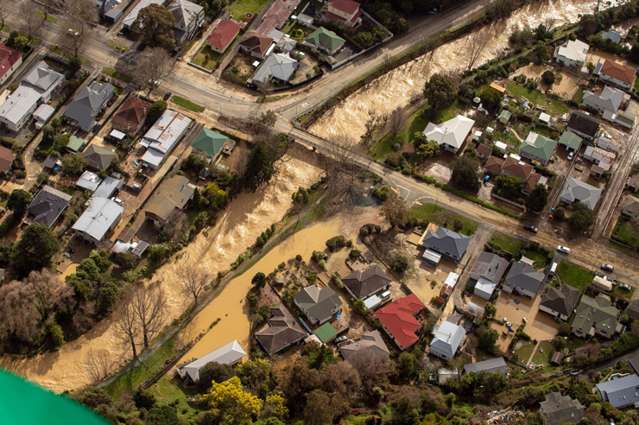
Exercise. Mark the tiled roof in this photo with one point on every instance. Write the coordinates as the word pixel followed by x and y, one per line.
pixel 223 34
pixel 618 71
pixel 398 319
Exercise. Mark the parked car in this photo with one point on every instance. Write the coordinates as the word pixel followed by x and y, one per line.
pixel 571 155
pixel 563 249
pixel 531 228
pixel 608 268
pixel 553 268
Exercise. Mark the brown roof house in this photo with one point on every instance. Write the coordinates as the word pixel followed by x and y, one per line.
pixel 169 199
pixel 280 332
pixel 130 118
pixel 344 12
pixel 256 45
pixel 370 346
pixel 365 282
pixel 620 75
pixel 6 159
pixel 318 303
pixel 99 157
pixel 223 35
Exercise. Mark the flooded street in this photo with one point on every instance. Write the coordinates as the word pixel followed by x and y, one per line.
pixel 245 218
pixel 396 88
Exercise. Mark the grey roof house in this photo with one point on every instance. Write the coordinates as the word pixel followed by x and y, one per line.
pixel 560 301
pixel 494 365
pixel 522 278
pixel 99 157
pixel 228 354
pixel 620 392
pixel 318 303
pixel 280 332
pixel 276 66
pixel 595 316
pixel 447 338
pixel 99 217
pixel 486 273
pixel 365 282
pixel 444 242
pixel 370 346
pixel 575 190
pixel 559 409
pixel 189 18
pixel 87 105
pixel 169 199
pixel 606 103
pixel 47 206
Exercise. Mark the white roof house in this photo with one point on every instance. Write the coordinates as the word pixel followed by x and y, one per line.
pixel 278 66
pixel 447 338
pixel 98 219
pixel 42 114
pixel 165 134
pixel 484 288
pixel 572 53
pixel 451 134
pixel 228 354
pixel 18 107
pixel 133 14
pixel 89 181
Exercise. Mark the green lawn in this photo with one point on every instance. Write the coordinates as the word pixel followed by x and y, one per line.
pixel 505 243
pixel 207 58
pixel 117 75
pixel 187 104
pixel 544 353
pixel 627 233
pixel 574 275
pixel 540 256
pixel 523 353
pixel 553 106
pixel 239 8
pixel 428 213
pixel 166 392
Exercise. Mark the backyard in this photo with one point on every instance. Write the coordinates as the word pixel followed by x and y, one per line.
pixel 552 106
pixel 241 8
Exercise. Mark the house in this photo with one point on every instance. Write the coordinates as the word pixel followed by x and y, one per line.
pixel 620 75
pixel 583 125
pixel 606 103
pixel 88 103
pixel 608 144
pixel 611 36
pixel 283 42
pixel 504 116
pixel 280 331
pixel 6 159
pixel 511 167
pixel 276 15
pixel 439 241
pixel 10 60
pixel 325 41
pixel 633 183
pixel 210 143
pixel 99 217
pixel 538 148
pixel 447 338
pixel 277 66
pixel 364 282
pixel 620 392
pixel 98 157
pixel 318 303
pixel 559 301
pixel 189 18
pixel 494 365
pixel 572 53
pixel 36 87
pixel 523 279
pixel 42 114
pixel 131 115
pixel 47 206
pixel 108 187
pixel 132 16
pixel 575 190
pixel 112 10
pixel 168 200
pixel 89 181
pixel 398 319
pixel 368 347
pixel 223 35
pixel 559 409
pixel 75 144
pixel 444 375
pixel 599 156
pixel 570 141
pixel 257 45
pixel 630 208
pixel 228 355
pixel 163 137
pixel 486 274
pixel 450 135
pixel 344 12
pixel 595 316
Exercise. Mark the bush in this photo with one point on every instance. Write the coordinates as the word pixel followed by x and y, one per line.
pixel 548 78
pixel 399 264
pixel 336 243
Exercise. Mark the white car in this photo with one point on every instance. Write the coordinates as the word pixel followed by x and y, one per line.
pixel 563 249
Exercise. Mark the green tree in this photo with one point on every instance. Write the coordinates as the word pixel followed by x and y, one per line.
pixel 440 91
pixel 407 366
pixel 548 77
pixel 155 111
pixel 487 339
pixel 19 201
pixel 491 99
pixel 34 250
pixel 537 199
pixel 212 8
pixel 275 406
pixel 581 219
pixel 215 197
pixel 162 415
pixel 261 164
pixel 231 404
pixel 464 175
pixel 259 279
pixel 155 24
pixel 73 165
pixel 489 311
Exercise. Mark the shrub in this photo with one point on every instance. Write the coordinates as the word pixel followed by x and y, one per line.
pixel 336 243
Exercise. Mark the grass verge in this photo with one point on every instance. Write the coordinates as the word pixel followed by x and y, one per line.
pixel 187 104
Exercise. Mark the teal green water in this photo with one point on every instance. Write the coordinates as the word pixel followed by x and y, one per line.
pixel 24 403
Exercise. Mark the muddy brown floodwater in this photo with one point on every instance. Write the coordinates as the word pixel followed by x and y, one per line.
pixel 216 248
pixel 395 89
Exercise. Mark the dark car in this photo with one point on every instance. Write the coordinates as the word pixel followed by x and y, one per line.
pixel 608 268
pixel 531 228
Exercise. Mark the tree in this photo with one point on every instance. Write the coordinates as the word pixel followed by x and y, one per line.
pixel 193 279
pixel 508 187
pixel 156 110
pixel 256 376
pixel 78 17
pixel 275 406
pixel 155 24
pixel 149 305
pixel 395 210
pixel 263 158
pixel 214 372
pixel 212 8
pixel 162 415
pixel 491 99
pixel 341 171
pixel 215 197
pixel 588 25
pixel 126 326
pixel 476 42
pixel 322 407
pixel 152 66
pixel 19 201
pixel 548 77
pixel 32 19
pixel 259 279
pixel 440 91
pixel 426 149
pixel 487 339
pixel 489 311
pixel 231 404
pixel 581 219
pixel 464 175
pixel 34 250
pixel 537 199
pixel 407 366
pixel 296 381
pixel 73 165
pixel 396 120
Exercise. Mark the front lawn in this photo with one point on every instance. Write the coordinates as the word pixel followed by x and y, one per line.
pixel 431 213
pixel 240 8
pixel 574 275
pixel 626 233
pixel 504 243
pixel 552 106
pixel 207 58
pixel 187 104
pixel 540 257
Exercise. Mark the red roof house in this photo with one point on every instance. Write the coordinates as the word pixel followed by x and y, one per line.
pixel 6 159
pixel 223 35
pixel 399 321
pixel 131 115
pixel 10 59
pixel 616 73
pixel 256 45
pixel 345 12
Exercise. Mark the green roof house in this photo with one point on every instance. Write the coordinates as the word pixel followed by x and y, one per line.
pixel 326 333
pixel 504 116
pixel 538 148
pixel 209 142
pixel 570 141
pixel 325 40
pixel 76 144
pixel 595 316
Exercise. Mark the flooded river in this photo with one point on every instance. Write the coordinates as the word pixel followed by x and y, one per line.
pixel 397 88
pixel 216 248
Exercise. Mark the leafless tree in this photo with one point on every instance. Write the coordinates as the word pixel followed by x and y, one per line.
pixel 79 16
pixel 4 11
pixel 126 326
pixel 373 369
pixel 99 364
pixel 31 18
pixel 152 66
pixel 395 210
pixel 475 45
pixel 149 305
pixel 194 279
pixel 396 120
pixel 341 171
